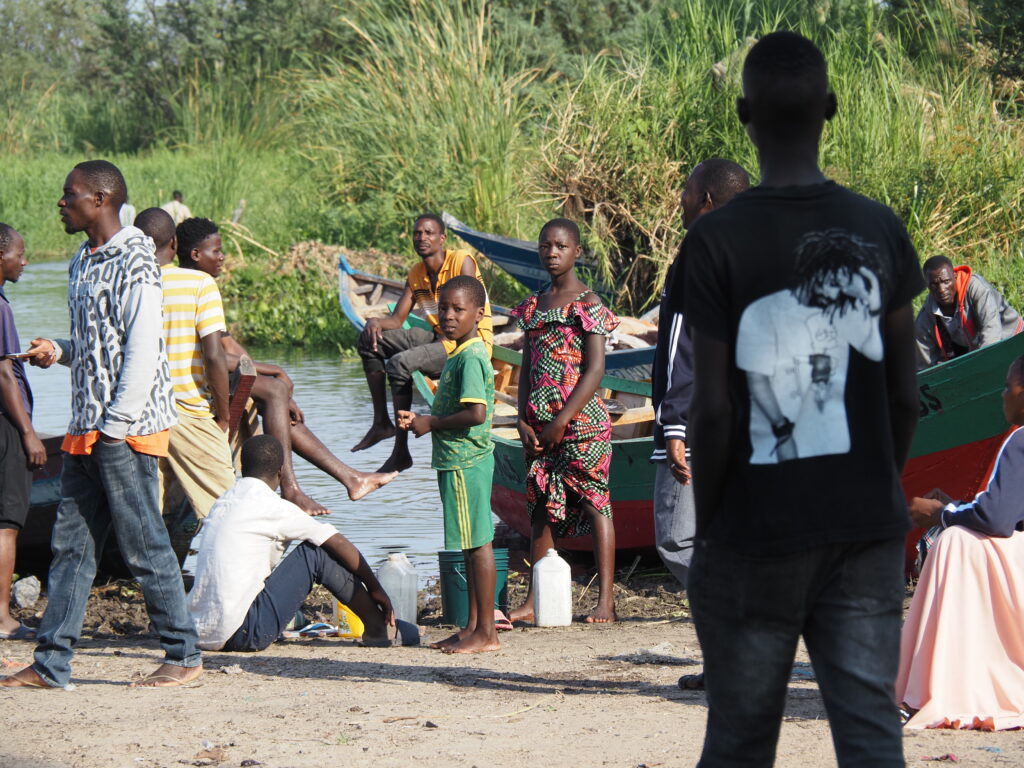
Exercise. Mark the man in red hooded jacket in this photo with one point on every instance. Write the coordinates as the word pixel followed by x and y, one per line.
pixel 963 312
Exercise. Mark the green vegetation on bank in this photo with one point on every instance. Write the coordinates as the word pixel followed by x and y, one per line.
pixel 340 125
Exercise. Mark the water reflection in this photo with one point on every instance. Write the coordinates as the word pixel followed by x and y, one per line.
pixel 405 516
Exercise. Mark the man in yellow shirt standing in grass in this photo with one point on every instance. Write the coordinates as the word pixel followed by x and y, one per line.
pixel 199 456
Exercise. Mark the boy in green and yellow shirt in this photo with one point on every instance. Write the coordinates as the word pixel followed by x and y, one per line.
pixel 460 426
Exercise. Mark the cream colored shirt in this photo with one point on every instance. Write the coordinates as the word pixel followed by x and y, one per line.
pixel 179 211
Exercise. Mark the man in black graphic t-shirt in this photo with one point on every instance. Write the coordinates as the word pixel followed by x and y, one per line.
pixel 798 293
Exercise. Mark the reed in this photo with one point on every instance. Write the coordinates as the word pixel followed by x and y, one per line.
pixel 429 111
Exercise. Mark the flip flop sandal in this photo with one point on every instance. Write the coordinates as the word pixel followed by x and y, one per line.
pixel 692 682
pixel 319 629
pixel 21 633
pixel 501 622
pixel 173 682
pixel 35 684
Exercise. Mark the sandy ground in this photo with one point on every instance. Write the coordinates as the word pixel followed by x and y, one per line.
pixel 576 696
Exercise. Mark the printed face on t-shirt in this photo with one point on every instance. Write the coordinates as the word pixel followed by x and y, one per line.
pixel 794 346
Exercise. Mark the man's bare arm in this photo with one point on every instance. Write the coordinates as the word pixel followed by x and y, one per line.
pixel 10 396
pixel 710 425
pixel 215 365
pixel 901 380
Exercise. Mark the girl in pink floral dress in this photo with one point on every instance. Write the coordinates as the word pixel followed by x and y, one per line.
pixel 564 426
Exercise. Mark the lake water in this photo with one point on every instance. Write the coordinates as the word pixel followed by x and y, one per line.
pixel 404 516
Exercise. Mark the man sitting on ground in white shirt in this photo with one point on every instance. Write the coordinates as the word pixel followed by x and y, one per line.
pixel 241 601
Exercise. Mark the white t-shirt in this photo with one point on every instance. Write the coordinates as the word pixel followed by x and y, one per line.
pixel 244 537
pixel 805 353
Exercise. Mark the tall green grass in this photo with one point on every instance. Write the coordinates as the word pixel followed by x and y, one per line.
pixel 435 105
pixel 430 111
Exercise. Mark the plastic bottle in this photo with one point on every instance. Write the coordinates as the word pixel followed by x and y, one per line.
pixel 552 591
pixel 398 578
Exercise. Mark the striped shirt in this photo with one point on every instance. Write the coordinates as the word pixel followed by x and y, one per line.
pixel 192 311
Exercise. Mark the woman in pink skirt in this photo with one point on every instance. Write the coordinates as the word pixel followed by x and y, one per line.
pixel 962 649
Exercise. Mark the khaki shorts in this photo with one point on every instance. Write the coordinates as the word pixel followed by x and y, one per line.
pixel 198 464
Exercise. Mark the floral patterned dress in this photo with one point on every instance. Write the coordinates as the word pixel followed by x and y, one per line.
pixel 577 470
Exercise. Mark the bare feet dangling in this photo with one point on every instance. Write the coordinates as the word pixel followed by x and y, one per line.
pixel 368 482
pixel 396 463
pixel 376 433
pixel 304 502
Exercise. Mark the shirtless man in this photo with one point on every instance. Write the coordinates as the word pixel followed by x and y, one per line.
pixel 392 352
pixel 199 247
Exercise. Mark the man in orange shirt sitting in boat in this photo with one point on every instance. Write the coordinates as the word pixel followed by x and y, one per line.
pixel 962 313
pixel 390 351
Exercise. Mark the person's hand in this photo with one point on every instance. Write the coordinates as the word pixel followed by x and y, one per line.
pixel 380 597
pixel 404 419
pixel 924 513
pixel 939 495
pixel 34 450
pixel 551 436
pixel 223 424
pixel 785 448
pixel 372 333
pixel 677 464
pixel 41 353
pixel 421 424
pixel 528 438
pixel 295 413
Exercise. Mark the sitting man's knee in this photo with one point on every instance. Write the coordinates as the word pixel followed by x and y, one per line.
pixel 398 369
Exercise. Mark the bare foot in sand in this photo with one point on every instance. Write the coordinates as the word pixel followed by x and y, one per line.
pixel 451 639
pixel 396 463
pixel 24 678
pixel 603 614
pixel 523 613
pixel 304 502
pixel 474 643
pixel 368 482
pixel 169 676
pixel 376 433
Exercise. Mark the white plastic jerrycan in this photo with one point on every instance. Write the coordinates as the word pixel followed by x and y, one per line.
pixel 398 578
pixel 552 591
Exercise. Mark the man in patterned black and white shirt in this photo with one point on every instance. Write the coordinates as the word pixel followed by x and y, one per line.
pixel 122 409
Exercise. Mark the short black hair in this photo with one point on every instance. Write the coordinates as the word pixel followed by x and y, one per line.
pixel 262 456
pixel 567 224
pixel 786 76
pixel 176 194
pixel 191 232
pixel 158 224
pixel 432 217
pixel 935 263
pixel 1017 369
pixel 722 179
pixel 471 286
pixel 7 233
pixel 103 176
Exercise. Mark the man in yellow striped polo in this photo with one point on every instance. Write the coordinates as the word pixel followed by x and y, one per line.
pixel 199 457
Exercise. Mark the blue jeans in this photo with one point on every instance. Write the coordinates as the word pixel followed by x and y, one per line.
pixel 846 600
pixel 283 593
pixel 675 521
pixel 114 487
